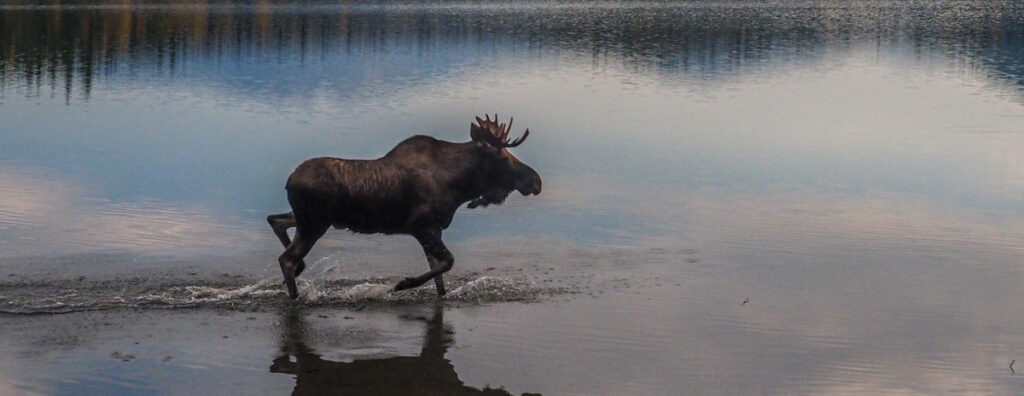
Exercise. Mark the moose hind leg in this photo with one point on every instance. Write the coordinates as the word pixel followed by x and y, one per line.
pixel 280 223
pixel 441 260
pixel 304 239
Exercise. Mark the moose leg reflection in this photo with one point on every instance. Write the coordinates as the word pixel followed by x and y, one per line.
pixel 428 373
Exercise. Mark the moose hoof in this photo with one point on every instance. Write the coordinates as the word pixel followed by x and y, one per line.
pixel 407 283
pixel 293 291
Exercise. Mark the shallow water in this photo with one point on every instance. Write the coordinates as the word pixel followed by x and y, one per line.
pixel 792 197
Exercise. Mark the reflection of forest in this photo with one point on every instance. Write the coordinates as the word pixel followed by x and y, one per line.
pixel 71 45
pixel 427 374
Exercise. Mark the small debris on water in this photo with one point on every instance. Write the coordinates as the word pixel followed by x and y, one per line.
pixel 745 301
pixel 121 356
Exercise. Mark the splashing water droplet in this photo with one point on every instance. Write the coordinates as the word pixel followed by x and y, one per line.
pixel 490 288
pixel 211 294
pixel 367 291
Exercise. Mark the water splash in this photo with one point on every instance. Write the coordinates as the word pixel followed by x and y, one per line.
pixel 327 292
pixel 194 295
pixel 264 293
pixel 199 294
pixel 367 291
pixel 492 288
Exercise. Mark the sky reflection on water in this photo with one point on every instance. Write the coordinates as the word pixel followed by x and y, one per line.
pixel 855 123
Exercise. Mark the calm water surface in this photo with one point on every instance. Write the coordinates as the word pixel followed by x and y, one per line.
pixel 739 197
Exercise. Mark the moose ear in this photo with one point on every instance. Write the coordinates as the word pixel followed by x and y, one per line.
pixel 478 134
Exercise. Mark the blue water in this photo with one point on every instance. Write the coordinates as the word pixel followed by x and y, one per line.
pixel 853 168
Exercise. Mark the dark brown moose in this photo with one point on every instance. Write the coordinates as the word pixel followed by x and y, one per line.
pixel 414 189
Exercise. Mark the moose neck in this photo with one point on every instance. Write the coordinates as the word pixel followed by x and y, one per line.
pixel 483 186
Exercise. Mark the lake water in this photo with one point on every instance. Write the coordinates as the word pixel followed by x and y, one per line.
pixel 778 197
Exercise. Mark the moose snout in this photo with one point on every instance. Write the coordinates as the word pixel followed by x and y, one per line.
pixel 529 185
pixel 534 188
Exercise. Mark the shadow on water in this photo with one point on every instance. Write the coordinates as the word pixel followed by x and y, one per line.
pixel 430 373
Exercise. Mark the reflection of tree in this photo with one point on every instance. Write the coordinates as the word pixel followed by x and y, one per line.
pixel 73 45
pixel 429 373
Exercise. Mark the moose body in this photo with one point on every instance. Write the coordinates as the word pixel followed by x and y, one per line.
pixel 414 189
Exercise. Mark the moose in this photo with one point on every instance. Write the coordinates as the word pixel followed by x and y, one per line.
pixel 414 189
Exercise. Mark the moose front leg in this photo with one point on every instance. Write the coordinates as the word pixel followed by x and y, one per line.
pixel 441 260
pixel 305 236
pixel 281 223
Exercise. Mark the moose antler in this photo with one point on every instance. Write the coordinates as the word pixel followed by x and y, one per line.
pixel 494 134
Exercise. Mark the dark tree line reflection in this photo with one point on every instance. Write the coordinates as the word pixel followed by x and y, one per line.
pixel 69 46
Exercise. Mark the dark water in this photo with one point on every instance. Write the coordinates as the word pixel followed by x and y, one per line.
pixel 739 197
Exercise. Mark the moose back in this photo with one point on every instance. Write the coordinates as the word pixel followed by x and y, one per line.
pixel 414 189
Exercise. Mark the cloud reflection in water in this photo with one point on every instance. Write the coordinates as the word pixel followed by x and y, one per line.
pixel 46 214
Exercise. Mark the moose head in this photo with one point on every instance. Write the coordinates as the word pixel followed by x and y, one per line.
pixel 505 171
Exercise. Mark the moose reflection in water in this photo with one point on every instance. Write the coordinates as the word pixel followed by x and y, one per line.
pixel 429 373
pixel 414 189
